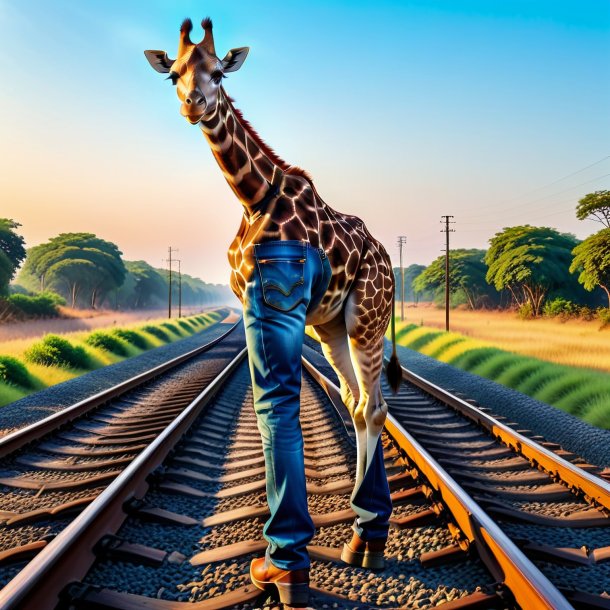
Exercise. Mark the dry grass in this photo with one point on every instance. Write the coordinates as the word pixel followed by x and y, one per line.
pixel 74 320
pixel 573 343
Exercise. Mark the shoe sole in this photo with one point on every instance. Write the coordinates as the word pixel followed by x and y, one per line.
pixel 290 594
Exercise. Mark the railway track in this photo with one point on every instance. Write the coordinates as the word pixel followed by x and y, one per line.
pixel 52 469
pixel 178 526
pixel 552 506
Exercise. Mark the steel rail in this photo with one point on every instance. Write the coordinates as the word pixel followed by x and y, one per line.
pixel 529 586
pixel 68 557
pixel 21 437
pixel 594 488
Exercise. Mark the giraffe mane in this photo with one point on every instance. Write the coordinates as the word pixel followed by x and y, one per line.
pixel 291 170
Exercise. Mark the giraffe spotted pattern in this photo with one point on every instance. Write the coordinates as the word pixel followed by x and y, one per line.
pixel 280 202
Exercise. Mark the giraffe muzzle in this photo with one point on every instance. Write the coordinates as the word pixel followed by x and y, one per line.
pixel 194 107
pixel 192 115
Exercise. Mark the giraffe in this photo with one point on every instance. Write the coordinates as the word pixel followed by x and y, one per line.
pixel 280 202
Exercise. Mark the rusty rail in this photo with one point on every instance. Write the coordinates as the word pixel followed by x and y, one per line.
pixel 68 557
pixel 593 487
pixel 19 438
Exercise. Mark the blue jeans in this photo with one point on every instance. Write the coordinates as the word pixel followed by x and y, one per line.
pixel 290 278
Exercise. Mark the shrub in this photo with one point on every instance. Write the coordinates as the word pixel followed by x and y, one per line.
pixel 604 317
pixel 403 331
pixel 422 340
pixel 56 351
pixel 107 341
pixel 526 311
pixel 156 331
pixel 494 365
pixel 14 372
pixel 473 358
pixel 597 413
pixel 560 307
pixel 437 347
pixel 43 304
pixel 587 313
pixel 131 336
pixel 538 380
pixel 577 401
pixel 515 374
pixel 187 327
pixel 555 390
pixel 171 327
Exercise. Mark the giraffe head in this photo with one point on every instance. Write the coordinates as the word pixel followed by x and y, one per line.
pixel 197 72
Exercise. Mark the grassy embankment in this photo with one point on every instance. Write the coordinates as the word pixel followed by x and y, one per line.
pixel 583 392
pixel 33 364
pixel 574 342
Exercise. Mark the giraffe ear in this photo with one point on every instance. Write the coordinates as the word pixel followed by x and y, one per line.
pixel 234 59
pixel 159 60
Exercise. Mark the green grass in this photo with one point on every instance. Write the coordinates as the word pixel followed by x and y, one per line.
pixel 54 359
pixel 582 392
pixel 9 393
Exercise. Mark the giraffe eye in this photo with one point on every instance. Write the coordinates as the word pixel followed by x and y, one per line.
pixel 174 77
pixel 217 77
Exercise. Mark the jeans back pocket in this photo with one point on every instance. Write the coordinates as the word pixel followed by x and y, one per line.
pixel 282 281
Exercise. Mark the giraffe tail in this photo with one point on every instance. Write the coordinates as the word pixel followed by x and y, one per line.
pixel 394 370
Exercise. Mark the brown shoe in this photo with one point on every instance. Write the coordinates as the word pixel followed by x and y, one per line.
pixel 292 585
pixel 363 554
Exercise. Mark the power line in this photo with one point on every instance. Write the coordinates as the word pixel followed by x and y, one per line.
pixel 539 188
pixel 529 203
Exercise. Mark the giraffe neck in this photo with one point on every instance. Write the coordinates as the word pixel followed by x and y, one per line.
pixel 248 165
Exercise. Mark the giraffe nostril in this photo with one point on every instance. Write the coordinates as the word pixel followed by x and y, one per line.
pixel 194 98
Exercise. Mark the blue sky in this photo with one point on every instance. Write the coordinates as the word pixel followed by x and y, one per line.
pixel 402 111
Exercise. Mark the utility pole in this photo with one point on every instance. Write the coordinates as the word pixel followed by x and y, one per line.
pixel 179 289
pixel 169 283
pixel 447 230
pixel 402 240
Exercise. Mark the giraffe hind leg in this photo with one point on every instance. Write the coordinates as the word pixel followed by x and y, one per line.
pixel 366 320
pixel 333 338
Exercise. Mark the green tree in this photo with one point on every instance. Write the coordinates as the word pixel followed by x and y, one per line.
pixel 595 206
pixel 150 287
pixel 466 275
pixel 592 259
pixel 12 252
pixel 75 262
pixel 529 262
pixel 411 272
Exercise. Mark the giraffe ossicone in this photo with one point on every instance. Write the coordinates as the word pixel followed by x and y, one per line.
pixel 280 202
